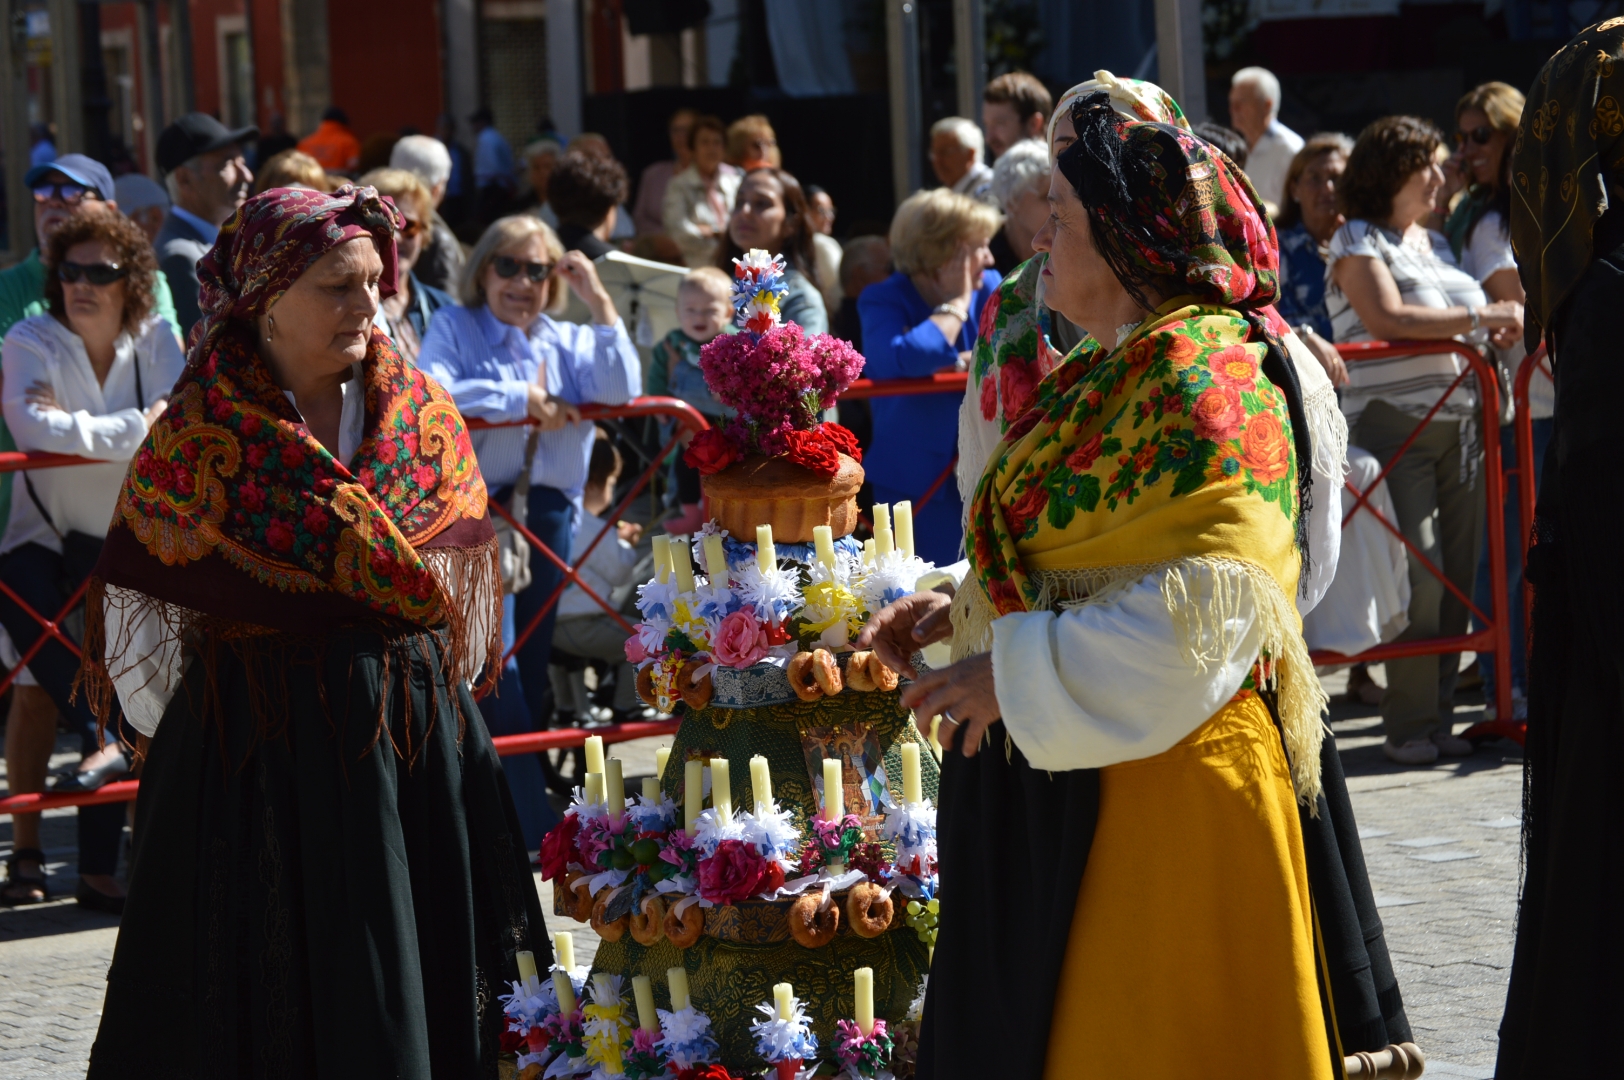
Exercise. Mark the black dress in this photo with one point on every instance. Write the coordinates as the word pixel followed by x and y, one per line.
pixel 328 878
pixel 1565 993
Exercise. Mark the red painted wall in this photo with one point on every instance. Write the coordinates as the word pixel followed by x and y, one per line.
pixel 267 30
pixel 385 64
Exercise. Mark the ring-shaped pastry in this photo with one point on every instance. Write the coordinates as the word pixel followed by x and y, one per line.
pixel 684 930
pixel 866 671
pixel 645 685
pixel 827 672
pixel 810 924
pixel 869 909
pixel 647 924
pixel 697 694
pixel 609 931
pixel 579 904
pixel 802 678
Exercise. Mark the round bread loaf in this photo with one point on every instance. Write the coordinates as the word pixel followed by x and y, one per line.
pixel 777 492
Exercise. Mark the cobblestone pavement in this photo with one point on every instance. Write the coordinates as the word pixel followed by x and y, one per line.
pixel 1442 846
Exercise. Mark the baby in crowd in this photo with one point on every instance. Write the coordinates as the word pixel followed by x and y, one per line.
pixel 704 310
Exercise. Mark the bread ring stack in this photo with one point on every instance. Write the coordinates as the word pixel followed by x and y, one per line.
pixel 814 674
pixel 647 924
pixel 810 923
pixel 864 671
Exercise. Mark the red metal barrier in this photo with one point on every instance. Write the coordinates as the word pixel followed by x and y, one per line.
pixel 1495 637
pixel 1535 363
pixel 943 382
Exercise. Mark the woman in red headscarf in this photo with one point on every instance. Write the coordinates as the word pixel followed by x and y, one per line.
pixel 297 588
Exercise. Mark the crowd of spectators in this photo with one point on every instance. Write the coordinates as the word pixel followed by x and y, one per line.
pixel 1387 236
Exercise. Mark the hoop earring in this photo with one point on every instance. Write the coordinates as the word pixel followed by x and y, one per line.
pixel 270 326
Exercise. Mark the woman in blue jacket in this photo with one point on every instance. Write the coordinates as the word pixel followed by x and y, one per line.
pixel 921 320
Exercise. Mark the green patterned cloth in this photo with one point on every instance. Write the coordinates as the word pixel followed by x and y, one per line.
pixel 728 980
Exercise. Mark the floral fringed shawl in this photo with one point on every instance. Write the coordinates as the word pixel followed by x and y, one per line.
pixel 235 522
pixel 1171 452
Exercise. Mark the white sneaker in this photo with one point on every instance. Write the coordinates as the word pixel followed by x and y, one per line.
pixel 1414 752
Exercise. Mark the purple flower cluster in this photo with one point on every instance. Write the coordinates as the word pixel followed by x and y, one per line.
pixel 779 383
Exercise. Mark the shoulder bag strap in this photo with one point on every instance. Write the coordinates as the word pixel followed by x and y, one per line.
pixel 44 513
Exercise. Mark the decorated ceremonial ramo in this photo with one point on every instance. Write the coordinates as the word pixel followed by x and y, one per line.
pixel 789 841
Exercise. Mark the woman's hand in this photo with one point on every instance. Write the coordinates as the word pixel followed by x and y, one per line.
pixel 629 531
pixel 1328 357
pixel 549 412
pixel 582 277
pixel 1504 318
pixel 903 627
pixel 43 395
pixel 959 276
pixel 155 410
pixel 963 695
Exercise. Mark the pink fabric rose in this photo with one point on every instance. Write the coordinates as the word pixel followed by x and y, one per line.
pixel 635 652
pixel 740 641
pixel 732 873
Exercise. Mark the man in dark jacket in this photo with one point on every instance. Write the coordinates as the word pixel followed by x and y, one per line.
pixel 208 178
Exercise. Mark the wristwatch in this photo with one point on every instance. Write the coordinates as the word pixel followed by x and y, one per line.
pixel 953 310
pixel 1472 313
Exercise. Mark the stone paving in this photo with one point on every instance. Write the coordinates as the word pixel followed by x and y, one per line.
pixel 1442 846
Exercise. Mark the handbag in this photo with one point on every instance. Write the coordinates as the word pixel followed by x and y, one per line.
pixel 513 550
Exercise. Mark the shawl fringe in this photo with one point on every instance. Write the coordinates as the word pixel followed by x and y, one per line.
pixel 470 578
pixel 1284 664
pixel 1329 429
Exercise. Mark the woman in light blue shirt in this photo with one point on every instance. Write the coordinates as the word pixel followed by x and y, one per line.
pixel 502 357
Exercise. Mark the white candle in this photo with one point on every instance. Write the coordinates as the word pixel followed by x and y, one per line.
pixel 594 788
pixel 651 789
pixel 882 517
pixel 766 554
pixel 603 991
pixel 834 797
pixel 868 551
pixel 823 538
pixel 643 991
pixel 912 789
pixel 661 756
pixel 677 979
pixel 614 789
pixel 594 753
pixel 565 991
pixel 721 790
pixel 715 561
pixel 761 783
pixel 682 562
pixel 564 949
pixel 863 979
pixel 662 558
pixel 784 994
pixel 527 965
pixel 902 512
pixel 693 794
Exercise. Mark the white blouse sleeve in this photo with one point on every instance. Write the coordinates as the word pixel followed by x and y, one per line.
pixel 112 437
pixel 1108 681
pixel 144 661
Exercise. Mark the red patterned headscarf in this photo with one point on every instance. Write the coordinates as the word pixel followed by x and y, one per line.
pixel 233 512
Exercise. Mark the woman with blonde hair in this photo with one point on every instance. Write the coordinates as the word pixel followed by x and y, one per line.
pixel 752 143
pixel 503 356
pixel 293 169
pixel 921 320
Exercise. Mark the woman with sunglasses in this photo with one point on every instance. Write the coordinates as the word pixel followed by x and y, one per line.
pixel 87 378
pixel 503 356
pixel 409 312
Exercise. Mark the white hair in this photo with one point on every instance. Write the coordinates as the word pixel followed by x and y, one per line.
pixel 543 147
pixel 425 156
pixel 1264 82
pixel 1018 168
pixel 964 131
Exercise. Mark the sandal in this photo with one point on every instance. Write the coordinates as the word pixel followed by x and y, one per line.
pixel 29 882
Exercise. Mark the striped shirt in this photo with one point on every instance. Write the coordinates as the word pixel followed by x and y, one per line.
pixel 1426 274
pixel 487 367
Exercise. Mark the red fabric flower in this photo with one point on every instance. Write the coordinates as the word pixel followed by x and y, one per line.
pixel 1234 366
pixel 279 534
pixel 843 439
pixel 1016 382
pixel 1218 414
pixel 315 519
pixel 1082 459
pixel 813 451
pixel 705 1072
pixel 732 873
pixel 511 1042
pixel 1026 508
pixel 771 878
pixel 558 848
pixel 710 451
pixel 989 399
pixel 293 455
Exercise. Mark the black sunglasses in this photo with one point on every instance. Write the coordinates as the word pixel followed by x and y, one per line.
pixel 94 273
pixel 1479 135
pixel 67 192
pixel 506 268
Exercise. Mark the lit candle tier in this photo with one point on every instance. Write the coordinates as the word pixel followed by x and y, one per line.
pixel 594 753
pixel 823 539
pixel 766 554
pixel 643 992
pixel 902 516
pixel 614 789
pixel 715 561
pixel 721 790
pixel 693 794
pixel 834 797
pixel 912 789
pixel 863 978
pixel 761 783
pixel 677 979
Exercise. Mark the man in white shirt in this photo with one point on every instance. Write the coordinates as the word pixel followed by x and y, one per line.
pixel 956 147
pixel 1254 102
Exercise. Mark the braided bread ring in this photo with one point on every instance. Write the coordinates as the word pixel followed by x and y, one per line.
pixel 802 679
pixel 865 671
pixel 811 927
pixel 696 695
pixel 646 924
pixel 613 931
pixel 684 930
pixel 869 909
pixel 827 672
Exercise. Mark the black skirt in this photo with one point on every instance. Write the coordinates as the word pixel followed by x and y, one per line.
pixel 328 878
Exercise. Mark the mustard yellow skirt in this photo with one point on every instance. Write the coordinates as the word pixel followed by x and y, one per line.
pixel 1192 949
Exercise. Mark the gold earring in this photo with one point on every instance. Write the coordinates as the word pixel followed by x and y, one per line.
pixel 270 326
